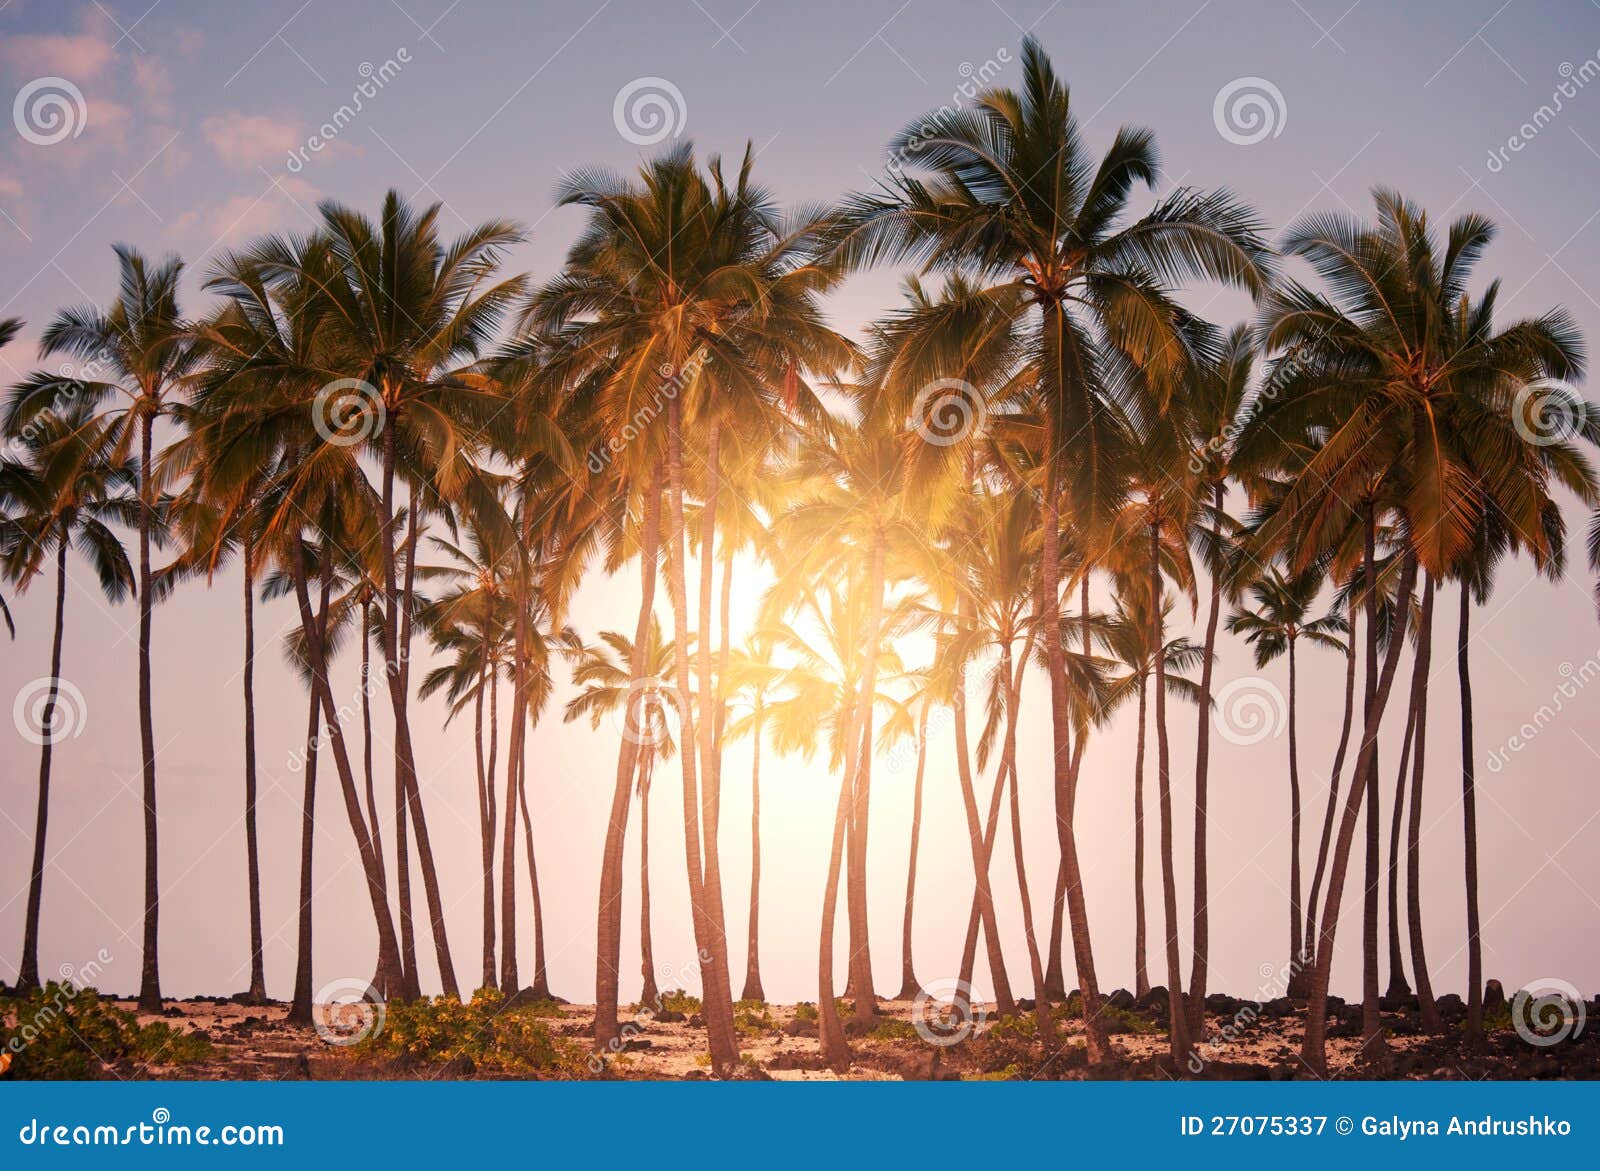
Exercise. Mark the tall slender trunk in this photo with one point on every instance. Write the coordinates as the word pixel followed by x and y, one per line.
pixel 1419 958
pixel 1008 768
pixel 1469 817
pixel 830 1033
pixel 1297 950
pixel 608 947
pixel 1398 987
pixel 510 978
pixel 485 832
pixel 650 994
pixel 258 978
pixel 910 986
pixel 1199 968
pixel 1141 969
pixel 1300 980
pixel 28 969
pixel 1097 1040
pixel 150 972
pixel 1177 1010
pixel 374 822
pixel 705 892
pixel 752 967
pixel 541 970
pixel 300 1005
pixel 1313 1049
pixel 860 772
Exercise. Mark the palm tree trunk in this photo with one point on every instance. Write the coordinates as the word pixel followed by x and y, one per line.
pixel 650 993
pixel 1097 1040
pixel 541 971
pixel 1398 989
pixel 705 899
pixel 1469 817
pixel 910 986
pixel 373 821
pixel 485 833
pixel 1296 942
pixel 300 1006
pixel 1300 980
pixel 28 969
pixel 150 973
pixel 1008 768
pixel 510 979
pixel 830 1033
pixel 859 770
pixel 1177 1010
pixel 608 948
pixel 1199 968
pixel 1141 970
pixel 258 979
pixel 1313 1049
pixel 1419 958
pixel 752 967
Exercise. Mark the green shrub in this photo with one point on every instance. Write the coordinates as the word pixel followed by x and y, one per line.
pixel 751 1019
pixel 805 1011
pixel 890 1029
pixel 63 1032
pixel 1021 1028
pixel 485 1031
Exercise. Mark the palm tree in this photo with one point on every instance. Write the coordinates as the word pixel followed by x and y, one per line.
pixel 752 678
pixel 67 488
pixel 139 354
pixel 1279 619
pixel 603 671
pixel 1012 194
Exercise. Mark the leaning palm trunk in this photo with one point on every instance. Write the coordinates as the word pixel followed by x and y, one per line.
pixel 1008 767
pixel 860 773
pixel 1141 971
pixel 1469 817
pixel 258 979
pixel 650 994
pixel 752 969
pixel 1398 988
pixel 1177 1012
pixel 300 1006
pixel 1300 980
pixel 1313 1050
pixel 910 986
pixel 541 971
pixel 705 900
pixel 510 979
pixel 28 970
pixel 485 828
pixel 150 972
pixel 608 950
pixel 1419 958
pixel 1297 951
pixel 830 1033
pixel 1202 772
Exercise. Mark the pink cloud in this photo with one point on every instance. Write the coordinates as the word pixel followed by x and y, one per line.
pixel 250 140
pixel 77 57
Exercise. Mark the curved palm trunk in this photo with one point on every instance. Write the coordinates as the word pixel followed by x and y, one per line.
pixel 650 994
pixel 752 969
pixel 608 948
pixel 1300 980
pixel 28 969
pixel 1297 951
pixel 258 979
pixel 1199 969
pixel 705 891
pixel 910 986
pixel 373 821
pixel 1177 1011
pixel 1313 1049
pixel 1141 970
pixel 1469 817
pixel 830 1033
pixel 510 979
pixel 150 972
pixel 1398 987
pixel 541 971
pixel 1008 767
pixel 1419 958
pixel 859 771
pixel 485 831
pixel 300 1005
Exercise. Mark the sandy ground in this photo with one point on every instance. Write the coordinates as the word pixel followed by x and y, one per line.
pixel 256 1043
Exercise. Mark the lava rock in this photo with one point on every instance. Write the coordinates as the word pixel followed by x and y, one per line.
pixel 1494 996
pixel 1121 998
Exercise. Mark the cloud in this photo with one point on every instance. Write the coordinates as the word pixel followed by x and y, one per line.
pixel 287 201
pixel 79 57
pixel 250 140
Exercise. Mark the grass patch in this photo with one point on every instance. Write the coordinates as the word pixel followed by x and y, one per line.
pixel 63 1032
pixel 486 1032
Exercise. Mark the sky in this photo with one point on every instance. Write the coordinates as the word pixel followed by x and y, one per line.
pixel 189 128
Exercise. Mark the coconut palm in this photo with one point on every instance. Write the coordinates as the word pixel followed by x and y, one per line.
pixel 65 489
pixel 1012 194
pixel 751 680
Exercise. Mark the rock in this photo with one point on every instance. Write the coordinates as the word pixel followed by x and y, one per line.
pixel 1494 996
pixel 1335 1005
pixel 1279 1006
pixel 1154 1000
pixel 667 1017
pixel 1399 1002
pixel 1026 1005
pixel 1451 1005
pixel 799 1028
pixel 1121 998
pixel 697 1021
pixel 1223 1005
